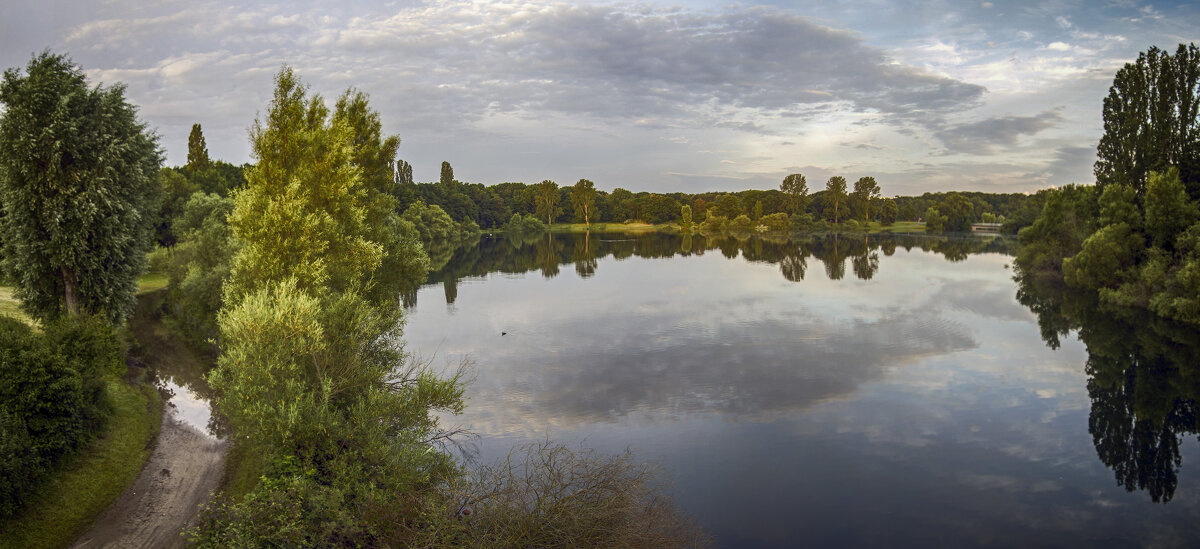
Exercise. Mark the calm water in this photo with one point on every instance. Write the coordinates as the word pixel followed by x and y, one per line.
pixel 830 391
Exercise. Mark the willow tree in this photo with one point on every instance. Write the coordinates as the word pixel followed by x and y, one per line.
pixel 304 211
pixel 77 172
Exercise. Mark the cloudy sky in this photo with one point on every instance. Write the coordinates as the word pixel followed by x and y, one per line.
pixel 664 95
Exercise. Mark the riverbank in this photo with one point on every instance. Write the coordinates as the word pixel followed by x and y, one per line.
pixel 639 227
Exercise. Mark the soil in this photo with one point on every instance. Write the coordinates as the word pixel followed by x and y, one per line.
pixel 187 463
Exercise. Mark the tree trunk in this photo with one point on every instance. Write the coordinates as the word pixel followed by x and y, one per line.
pixel 69 292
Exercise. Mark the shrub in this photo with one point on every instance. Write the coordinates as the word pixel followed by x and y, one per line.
pixel 52 398
pixel 549 495
pixel 776 221
pixel 741 223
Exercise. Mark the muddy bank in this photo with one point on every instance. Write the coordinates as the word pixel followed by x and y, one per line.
pixel 189 457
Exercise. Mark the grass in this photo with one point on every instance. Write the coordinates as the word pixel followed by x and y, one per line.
pixel 633 227
pixel 9 306
pixel 151 282
pixel 88 483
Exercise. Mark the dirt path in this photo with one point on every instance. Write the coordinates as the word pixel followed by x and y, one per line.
pixel 188 461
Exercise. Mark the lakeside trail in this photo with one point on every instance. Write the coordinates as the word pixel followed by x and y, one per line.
pixel 187 463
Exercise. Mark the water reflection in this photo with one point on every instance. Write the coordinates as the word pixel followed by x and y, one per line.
pixel 546 253
pixel 1143 382
pixel 904 398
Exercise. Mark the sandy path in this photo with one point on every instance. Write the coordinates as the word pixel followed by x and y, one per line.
pixel 187 463
pixel 184 469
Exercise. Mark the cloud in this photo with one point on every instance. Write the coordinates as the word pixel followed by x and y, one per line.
pixel 982 137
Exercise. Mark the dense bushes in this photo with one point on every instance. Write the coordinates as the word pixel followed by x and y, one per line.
pixel 52 398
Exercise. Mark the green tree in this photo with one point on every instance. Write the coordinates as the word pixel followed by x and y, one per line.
pixel 583 197
pixel 685 217
pixel 888 211
pixel 403 173
pixel 197 157
pixel 866 190
pixel 727 206
pixel 835 192
pixel 77 178
pixel 447 178
pixel 935 222
pixel 795 189
pixel 959 212
pixel 1150 120
pixel 547 200
pixel 1168 210
pixel 303 212
pixel 758 210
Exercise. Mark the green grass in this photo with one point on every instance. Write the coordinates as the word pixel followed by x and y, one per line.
pixel 635 227
pixel 85 486
pixel 9 306
pixel 151 282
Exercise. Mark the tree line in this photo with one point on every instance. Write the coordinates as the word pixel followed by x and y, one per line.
pixel 1134 237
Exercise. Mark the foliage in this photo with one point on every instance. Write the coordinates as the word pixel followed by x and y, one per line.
pixel 1066 220
pixel 546 198
pixel 527 224
pixel 888 211
pixel 795 188
pixel 197 157
pixel 1150 121
pixel 836 190
pixel 304 211
pixel 685 217
pixel 866 190
pixel 775 222
pixel 958 211
pixel 549 495
pixel 583 198
pixel 200 265
pixel 52 398
pixel 77 173
pixel 447 177
pixel 935 222
pixel 740 223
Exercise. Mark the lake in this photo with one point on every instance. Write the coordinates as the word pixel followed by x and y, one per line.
pixel 829 390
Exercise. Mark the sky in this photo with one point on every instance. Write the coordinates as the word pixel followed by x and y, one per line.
pixel 663 96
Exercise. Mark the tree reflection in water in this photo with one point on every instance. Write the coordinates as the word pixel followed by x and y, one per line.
pixel 1143 381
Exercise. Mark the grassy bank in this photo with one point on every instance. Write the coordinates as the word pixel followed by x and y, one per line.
pixel 636 227
pixel 91 480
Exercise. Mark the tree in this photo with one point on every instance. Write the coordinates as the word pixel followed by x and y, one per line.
pixel 303 212
pixel 758 209
pixel 685 217
pixel 583 197
pixel 888 210
pixel 959 212
pixel 727 206
pixel 403 173
pixel 1150 121
pixel 795 188
pixel 447 178
pixel 547 200
pixel 835 191
pixel 197 158
pixel 1168 210
pixel 865 191
pixel 77 177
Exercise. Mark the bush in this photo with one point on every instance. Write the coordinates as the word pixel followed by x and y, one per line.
pixel 548 495
pixel 851 225
pixel 51 398
pixel 741 223
pixel 776 221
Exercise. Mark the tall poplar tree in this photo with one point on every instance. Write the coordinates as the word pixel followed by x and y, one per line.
pixel 197 158
pixel 77 172
pixel 1152 121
